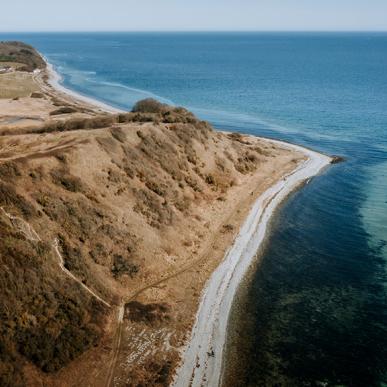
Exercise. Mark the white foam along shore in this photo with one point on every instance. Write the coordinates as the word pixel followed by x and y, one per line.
pixel 202 357
pixel 55 79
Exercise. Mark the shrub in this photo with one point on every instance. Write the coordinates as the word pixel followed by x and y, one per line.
pixel 63 110
pixel 123 266
pixel 73 259
pixel 21 53
pixel 118 134
pixel 49 322
pixel 153 186
pixel 63 178
pixel 36 94
pixel 9 197
pixel 98 122
pixel 25 51
pixel 6 58
pixel 149 105
pixel 26 68
pixel 9 170
pixel 148 313
pixel 210 179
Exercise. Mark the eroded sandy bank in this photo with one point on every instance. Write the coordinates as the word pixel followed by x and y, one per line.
pixel 178 228
pixel 202 357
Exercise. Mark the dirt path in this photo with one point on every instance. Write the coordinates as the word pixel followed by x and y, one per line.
pixel 192 264
pixel 23 226
pixel 55 246
pixel 166 277
pixel 116 344
pixel 28 231
pixel 34 150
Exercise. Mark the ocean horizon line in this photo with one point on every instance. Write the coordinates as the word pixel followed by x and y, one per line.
pixel 247 31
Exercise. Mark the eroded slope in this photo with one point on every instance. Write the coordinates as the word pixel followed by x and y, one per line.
pixel 130 203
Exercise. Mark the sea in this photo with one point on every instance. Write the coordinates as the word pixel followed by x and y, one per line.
pixel 314 310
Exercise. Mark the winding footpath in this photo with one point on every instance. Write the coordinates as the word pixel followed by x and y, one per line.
pixel 202 357
pixel 23 226
pixel 55 246
pixel 28 231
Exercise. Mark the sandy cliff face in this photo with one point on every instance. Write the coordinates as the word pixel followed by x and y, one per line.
pixel 110 226
pixel 126 205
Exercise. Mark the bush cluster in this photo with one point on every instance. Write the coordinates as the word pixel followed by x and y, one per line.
pixel 21 53
pixel 149 105
pixel 63 110
pixel 45 319
pixel 166 114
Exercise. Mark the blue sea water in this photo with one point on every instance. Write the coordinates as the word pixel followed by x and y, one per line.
pixel 318 303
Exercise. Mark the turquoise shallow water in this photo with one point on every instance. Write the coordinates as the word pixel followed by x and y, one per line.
pixel 318 302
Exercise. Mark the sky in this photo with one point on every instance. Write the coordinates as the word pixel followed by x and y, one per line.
pixel 194 15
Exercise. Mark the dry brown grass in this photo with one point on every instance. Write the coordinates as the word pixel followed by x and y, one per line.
pixel 149 105
pixel 46 320
pixel 21 53
pixel 149 313
pixel 129 203
pixel 17 85
pixel 63 110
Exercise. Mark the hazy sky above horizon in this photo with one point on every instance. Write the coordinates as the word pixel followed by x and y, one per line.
pixel 207 15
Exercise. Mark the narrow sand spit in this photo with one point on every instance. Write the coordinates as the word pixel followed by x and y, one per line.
pixel 201 363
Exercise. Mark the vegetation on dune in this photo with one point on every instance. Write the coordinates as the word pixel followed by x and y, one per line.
pixel 63 110
pixel 10 197
pixel 149 313
pixel 37 94
pixel 17 85
pixel 63 178
pixel 19 52
pixel 167 115
pixel 150 105
pixel 5 58
pixel 45 319
pixel 98 122
pixel 122 265
pixel 154 373
pixel 157 173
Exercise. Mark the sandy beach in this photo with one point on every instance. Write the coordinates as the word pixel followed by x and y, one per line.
pixel 55 80
pixel 203 355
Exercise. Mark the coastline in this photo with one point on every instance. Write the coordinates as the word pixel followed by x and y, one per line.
pixel 202 357
pixel 315 289
pixel 54 80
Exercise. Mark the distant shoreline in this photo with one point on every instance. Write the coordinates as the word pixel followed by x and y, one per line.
pixel 54 80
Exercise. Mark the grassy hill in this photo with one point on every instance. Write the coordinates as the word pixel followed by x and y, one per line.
pixel 18 52
pixel 120 194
